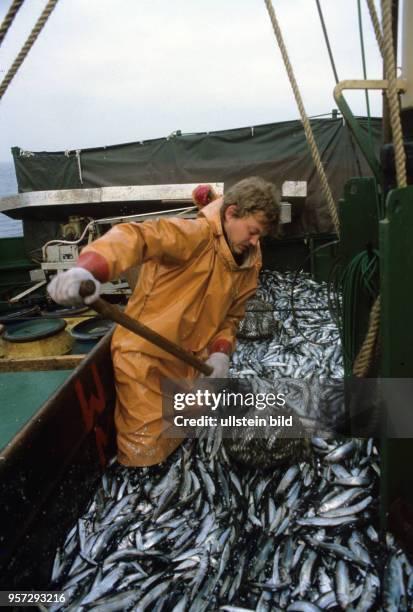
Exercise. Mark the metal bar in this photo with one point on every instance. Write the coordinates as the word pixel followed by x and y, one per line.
pixel 407 54
pixel 330 53
pixel 97 195
pixel 18 297
pixel 361 139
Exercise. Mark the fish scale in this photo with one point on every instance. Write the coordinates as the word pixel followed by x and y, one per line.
pixel 224 549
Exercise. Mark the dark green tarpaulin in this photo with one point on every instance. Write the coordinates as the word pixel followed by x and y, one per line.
pixel 276 151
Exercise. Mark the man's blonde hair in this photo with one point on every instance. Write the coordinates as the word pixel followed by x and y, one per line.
pixel 254 195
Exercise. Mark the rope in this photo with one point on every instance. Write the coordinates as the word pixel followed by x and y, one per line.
pixel 376 25
pixel 390 66
pixel 306 124
pixel 27 46
pixel 364 359
pixel 8 20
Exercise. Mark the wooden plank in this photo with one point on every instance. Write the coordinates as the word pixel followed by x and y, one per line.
pixel 61 362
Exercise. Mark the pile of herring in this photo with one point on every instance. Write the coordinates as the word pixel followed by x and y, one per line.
pixel 200 532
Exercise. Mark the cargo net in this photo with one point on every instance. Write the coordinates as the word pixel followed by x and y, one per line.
pixel 298 353
pixel 258 322
pixel 204 532
pixel 305 341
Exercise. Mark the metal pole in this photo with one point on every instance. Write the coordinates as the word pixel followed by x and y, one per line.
pixel 386 133
pixel 407 54
pixel 407 70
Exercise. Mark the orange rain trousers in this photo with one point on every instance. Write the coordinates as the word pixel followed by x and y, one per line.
pixel 142 436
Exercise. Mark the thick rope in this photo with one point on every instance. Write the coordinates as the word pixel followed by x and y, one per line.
pixel 366 354
pixel 8 20
pixel 390 65
pixel 27 46
pixel 376 25
pixel 306 124
pixel 364 359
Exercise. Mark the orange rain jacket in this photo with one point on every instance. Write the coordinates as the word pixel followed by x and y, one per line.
pixel 191 291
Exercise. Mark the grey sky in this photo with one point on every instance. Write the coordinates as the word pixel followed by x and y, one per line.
pixel 110 71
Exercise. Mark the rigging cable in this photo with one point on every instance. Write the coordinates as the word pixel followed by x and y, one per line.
pixel 8 19
pixel 379 195
pixel 333 66
pixel 306 124
pixel 363 61
pixel 27 46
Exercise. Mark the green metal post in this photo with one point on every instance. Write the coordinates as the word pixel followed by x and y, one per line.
pixel 396 325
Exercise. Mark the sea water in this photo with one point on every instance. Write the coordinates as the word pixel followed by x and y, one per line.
pixel 8 186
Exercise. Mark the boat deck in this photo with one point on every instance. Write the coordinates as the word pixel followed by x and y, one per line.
pixel 21 396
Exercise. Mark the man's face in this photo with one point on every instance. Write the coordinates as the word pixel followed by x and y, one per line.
pixel 243 232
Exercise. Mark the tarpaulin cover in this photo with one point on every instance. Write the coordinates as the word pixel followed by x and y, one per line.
pixel 276 151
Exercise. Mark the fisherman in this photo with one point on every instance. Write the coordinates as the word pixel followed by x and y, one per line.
pixel 196 276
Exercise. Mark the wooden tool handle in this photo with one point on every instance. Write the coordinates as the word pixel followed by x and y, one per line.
pixel 115 314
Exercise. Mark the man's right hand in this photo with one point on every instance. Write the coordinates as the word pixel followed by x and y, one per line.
pixel 65 286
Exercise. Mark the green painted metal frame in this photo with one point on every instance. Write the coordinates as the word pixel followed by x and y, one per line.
pixel 360 137
pixel 323 254
pixel 362 140
pixel 396 251
pixel 393 236
pixel 358 212
pixel 359 218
